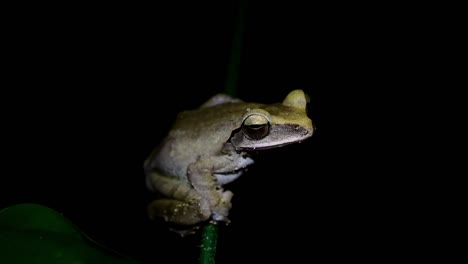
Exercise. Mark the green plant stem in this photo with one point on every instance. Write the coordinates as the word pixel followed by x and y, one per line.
pixel 236 47
pixel 209 242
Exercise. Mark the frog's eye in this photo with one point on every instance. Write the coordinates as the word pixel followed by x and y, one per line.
pixel 256 127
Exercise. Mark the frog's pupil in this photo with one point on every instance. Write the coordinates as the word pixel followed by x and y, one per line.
pixel 256 131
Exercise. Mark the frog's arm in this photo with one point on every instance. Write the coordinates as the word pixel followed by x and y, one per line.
pixel 203 182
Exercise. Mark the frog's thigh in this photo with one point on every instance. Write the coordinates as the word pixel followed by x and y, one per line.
pixel 171 187
pixel 179 212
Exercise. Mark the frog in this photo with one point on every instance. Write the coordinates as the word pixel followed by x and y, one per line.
pixel 211 146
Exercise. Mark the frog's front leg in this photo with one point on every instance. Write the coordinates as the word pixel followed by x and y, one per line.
pixel 184 206
pixel 204 182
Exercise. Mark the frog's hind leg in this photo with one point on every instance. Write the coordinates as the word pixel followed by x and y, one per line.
pixel 177 212
pixel 185 206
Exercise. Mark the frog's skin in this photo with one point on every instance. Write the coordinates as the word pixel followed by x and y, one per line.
pixel 208 147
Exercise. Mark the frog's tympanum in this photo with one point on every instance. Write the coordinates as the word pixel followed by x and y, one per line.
pixel 209 147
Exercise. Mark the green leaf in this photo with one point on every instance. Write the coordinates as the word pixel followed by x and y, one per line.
pixel 32 233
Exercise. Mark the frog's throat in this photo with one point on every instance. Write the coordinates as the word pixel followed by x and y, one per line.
pixel 229 174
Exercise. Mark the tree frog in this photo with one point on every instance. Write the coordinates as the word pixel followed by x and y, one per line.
pixel 209 147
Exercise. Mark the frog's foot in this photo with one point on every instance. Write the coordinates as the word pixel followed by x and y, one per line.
pixel 178 212
pixel 221 211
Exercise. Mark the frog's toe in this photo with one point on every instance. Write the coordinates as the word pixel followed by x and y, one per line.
pixel 220 218
pixel 221 213
pixel 227 197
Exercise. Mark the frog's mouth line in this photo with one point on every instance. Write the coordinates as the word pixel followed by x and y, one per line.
pixel 227 173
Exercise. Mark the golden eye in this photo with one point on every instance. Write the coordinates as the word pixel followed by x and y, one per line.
pixel 256 127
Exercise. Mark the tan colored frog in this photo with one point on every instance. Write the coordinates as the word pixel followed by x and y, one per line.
pixel 208 147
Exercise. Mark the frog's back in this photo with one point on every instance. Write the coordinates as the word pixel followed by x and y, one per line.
pixel 198 133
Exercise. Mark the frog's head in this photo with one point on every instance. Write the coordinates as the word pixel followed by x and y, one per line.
pixel 270 126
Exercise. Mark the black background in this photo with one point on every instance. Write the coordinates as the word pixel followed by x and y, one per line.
pixel 92 89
